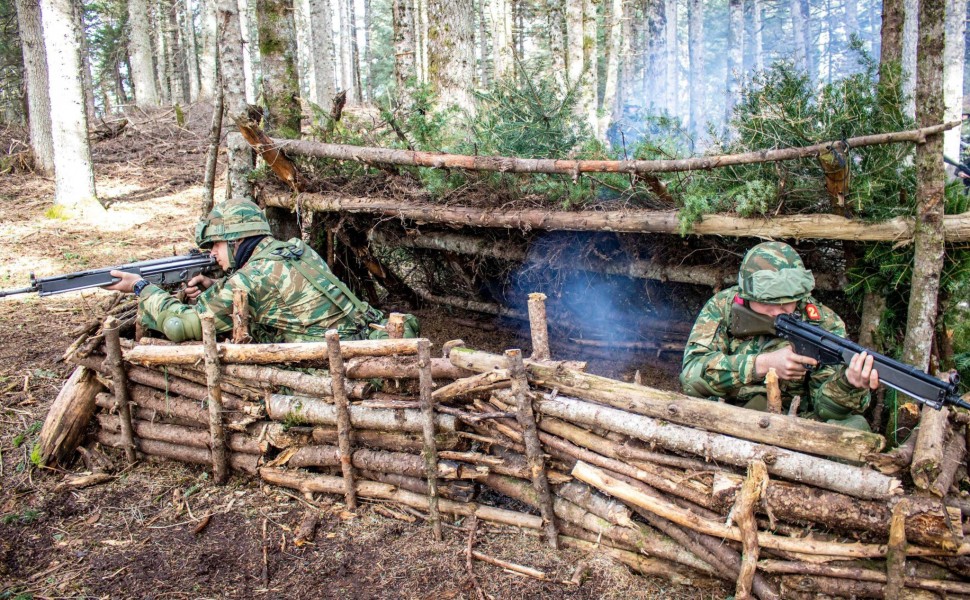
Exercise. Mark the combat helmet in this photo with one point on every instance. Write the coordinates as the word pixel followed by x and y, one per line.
pixel 230 221
pixel 773 273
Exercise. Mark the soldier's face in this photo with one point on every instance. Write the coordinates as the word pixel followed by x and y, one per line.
pixel 773 310
pixel 220 251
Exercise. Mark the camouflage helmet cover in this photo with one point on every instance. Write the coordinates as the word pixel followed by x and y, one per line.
pixel 773 273
pixel 230 221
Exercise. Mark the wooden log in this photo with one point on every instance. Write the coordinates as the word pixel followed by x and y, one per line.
pixel 297 381
pixel 457 490
pixel 240 317
pixel 847 479
pixel 601 506
pixel 68 417
pixel 807 226
pixel 930 440
pixel 743 514
pixel 533 448
pixel 248 391
pixel 774 392
pixel 113 362
pixel 649 567
pixel 305 483
pixel 400 367
pixel 928 523
pixel 828 587
pixel 395 327
pixel 942 586
pixel 777 430
pixel 314 411
pixel 610 485
pixel 267 353
pixel 220 460
pixel 472 385
pixel 385 440
pixel 180 435
pixel 502 164
pixel 430 451
pixel 154 402
pixel 539 327
pixel 953 457
pixel 896 553
pixel 342 412
pixel 245 463
pixel 383 462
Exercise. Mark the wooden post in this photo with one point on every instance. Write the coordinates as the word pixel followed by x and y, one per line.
pixel 430 451
pixel 343 418
pixel 139 328
pixel 774 392
pixel 539 326
pixel 896 552
pixel 744 507
pixel 213 376
pixel 533 449
pixel 395 326
pixel 240 317
pixel 112 344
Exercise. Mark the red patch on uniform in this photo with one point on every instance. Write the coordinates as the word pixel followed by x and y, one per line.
pixel 738 300
pixel 811 311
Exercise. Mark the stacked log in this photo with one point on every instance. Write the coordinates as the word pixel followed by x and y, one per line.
pixel 653 478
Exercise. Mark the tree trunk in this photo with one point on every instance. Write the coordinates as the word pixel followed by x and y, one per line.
pixel 368 91
pixel 230 55
pixel 912 38
pixel 503 65
pixel 191 50
pixel 209 84
pixel 277 47
pixel 928 246
pixel 799 22
pixel 321 32
pixel 893 16
pixel 614 43
pixel 556 23
pixel 734 57
pixel 696 73
pixel 575 66
pixel 589 91
pixel 357 95
pixel 345 52
pixel 38 93
pixel 74 175
pixel 450 55
pixel 174 53
pixel 953 61
pixel 68 417
pixel 140 51
pixel 672 62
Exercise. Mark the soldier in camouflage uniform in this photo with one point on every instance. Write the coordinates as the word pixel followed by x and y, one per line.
pixel 293 296
pixel 772 281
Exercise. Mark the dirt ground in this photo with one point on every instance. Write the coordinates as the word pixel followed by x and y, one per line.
pixel 142 535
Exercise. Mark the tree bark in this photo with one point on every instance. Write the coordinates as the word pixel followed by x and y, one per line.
pixel 778 430
pixel 930 440
pixel 246 463
pixel 140 52
pixel 953 64
pixel 315 411
pixel 401 367
pixel 267 353
pixel 696 73
pixel 38 93
pixel 214 400
pixel 614 42
pixel 277 54
pixel 321 33
pixel 180 435
pixel 450 55
pixel 68 417
pixel 230 56
pixel 734 57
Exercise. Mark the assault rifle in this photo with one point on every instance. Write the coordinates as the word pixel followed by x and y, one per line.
pixel 830 349
pixel 160 271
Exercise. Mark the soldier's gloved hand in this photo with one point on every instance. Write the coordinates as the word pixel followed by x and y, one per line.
pixel 195 286
pixel 786 363
pixel 860 373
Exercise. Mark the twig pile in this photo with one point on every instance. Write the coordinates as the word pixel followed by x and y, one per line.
pixel 669 485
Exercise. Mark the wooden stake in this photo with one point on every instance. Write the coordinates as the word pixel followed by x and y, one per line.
pixel 539 326
pixel 774 392
pixel 68 418
pixel 220 461
pixel 533 448
pixel 240 317
pixel 472 526
pixel 344 432
pixel 430 451
pixel 395 326
pixel 743 512
pixel 896 553
pixel 112 343
pixel 508 566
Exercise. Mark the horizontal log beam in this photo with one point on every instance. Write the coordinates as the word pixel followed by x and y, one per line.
pixel 187 354
pixel 503 164
pixel 302 409
pixel 818 226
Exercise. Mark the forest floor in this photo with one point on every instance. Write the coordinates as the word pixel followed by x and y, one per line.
pixel 139 535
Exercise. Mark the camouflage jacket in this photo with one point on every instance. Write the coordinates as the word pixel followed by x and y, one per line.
pixel 292 297
pixel 717 364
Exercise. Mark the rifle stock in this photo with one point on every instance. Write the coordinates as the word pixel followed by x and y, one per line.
pixel 830 349
pixel 160 271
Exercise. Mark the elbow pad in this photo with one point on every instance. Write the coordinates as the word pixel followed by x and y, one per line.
pixel 182 326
